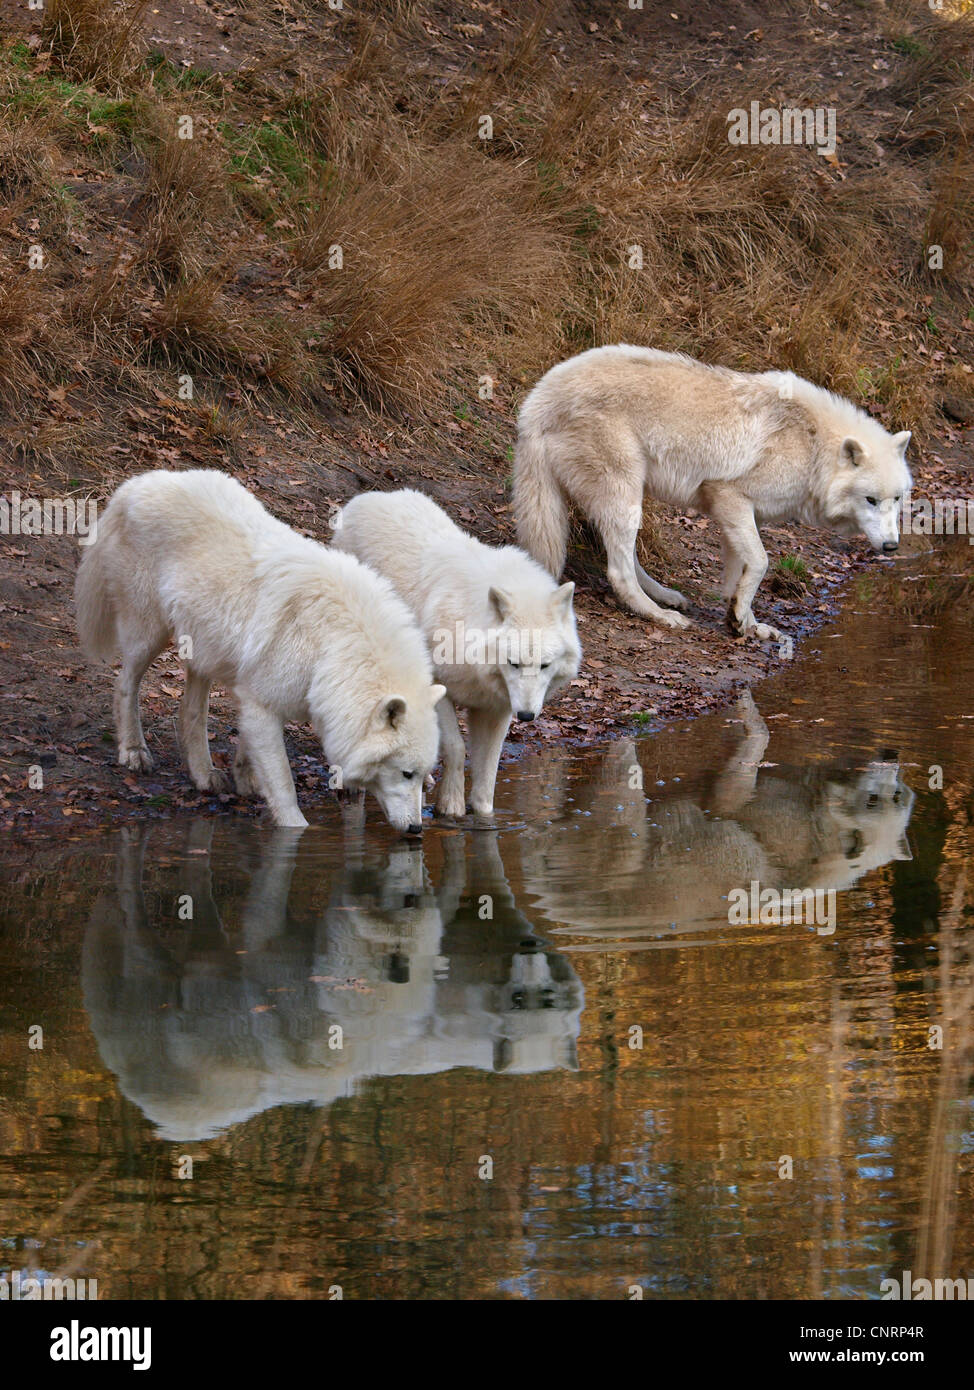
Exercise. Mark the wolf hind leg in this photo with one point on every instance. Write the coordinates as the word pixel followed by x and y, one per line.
pixel 670 598
pixel 193 716
pixel 140 645
pixel 619 527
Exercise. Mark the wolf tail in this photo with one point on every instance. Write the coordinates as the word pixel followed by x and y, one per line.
pixel 540 509
pixel 93 603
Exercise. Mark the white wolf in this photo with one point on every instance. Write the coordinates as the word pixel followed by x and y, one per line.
pixel 501 632
pixel 298 632
pixel 610 423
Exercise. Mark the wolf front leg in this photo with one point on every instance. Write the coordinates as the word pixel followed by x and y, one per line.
pixel 487 730
pixel 263 734
pixel 449 794
pixel 244 777
pixel 746 558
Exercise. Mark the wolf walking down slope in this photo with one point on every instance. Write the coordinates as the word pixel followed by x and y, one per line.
pixel 501 632
pixel 612 423
pixel 298 632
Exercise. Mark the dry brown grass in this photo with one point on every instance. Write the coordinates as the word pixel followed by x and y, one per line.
pixel 195 324
pixel 95 40
pixel 34 346
pixel 936 85
pixel 950 223
pixel 27 151
pixel 463 257
pixel 427 250
pixel 185 202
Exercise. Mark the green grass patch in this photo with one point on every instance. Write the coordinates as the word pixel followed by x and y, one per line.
pixel 18 55
pixel 169 77
pixel 879 384
pixel 795 566
pixel 76 109
pixel 913 48
pixel 267 151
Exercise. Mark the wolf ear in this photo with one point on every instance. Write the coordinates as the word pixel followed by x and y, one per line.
pixel 436 693
pixel 852 452
pixel 501 603
pixel 561 599
pixel 390 713
pixel 902 439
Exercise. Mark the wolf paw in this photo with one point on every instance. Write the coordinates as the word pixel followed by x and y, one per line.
pixel 212 781
pixel 245 781
pixel 452 806
pixel 765 633
pixel 136 759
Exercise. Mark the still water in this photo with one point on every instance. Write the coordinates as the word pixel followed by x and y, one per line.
pixel 539 1061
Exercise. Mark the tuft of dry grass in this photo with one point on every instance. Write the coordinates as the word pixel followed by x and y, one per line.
pixel 185 199
pixel 27 152
pixel 98 41
pixel 950 223
pixel 194 324
pixel 33 345
pixel 433 249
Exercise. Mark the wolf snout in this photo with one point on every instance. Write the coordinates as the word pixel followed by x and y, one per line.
pixel 890 546
pixel 525 715
pixel 416 829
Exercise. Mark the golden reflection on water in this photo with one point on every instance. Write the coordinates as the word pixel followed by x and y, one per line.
pixel 562 1004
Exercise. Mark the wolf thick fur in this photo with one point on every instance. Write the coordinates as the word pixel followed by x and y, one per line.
pixel 298 632
pixel 448 579
pixel 611 423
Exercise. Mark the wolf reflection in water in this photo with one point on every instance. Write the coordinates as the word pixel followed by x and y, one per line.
pixel 205 1027
pixel 669 863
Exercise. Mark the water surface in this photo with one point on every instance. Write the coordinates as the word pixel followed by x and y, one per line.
pixel 538 1061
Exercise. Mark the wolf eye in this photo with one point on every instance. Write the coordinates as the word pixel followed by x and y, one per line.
pixel 514 665
pixel 545 665
pixel 408 775
pixel 896 498
pixel 871 501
